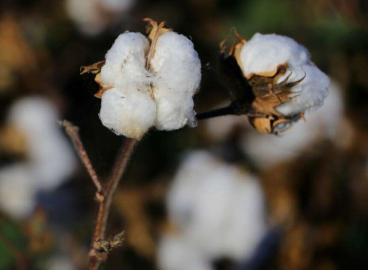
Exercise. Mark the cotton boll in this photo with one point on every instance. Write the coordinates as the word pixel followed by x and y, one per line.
pixel 263 53
pixel 325 123
pixel 218 208
pixel 177 69
pixel 125 61
pixel 17 191
pixel 175 253
pixel 116 5
pixel 127 111
pixel 51 157
pixel 86 15
pixel 309 94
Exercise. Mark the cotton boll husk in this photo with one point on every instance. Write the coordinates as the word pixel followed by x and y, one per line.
pixel 116 5
pixel 17 191
pixel 175 253
pixel 127 111
pixel 51 157
pixel 218 208
pixel 177 69
pixel 326 122
pixel 125 61
pixel 86 15
pixel 264 53
pixel 309 94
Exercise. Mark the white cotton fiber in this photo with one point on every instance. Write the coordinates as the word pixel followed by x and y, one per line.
pixel 262 54
pixel 218 208
pixel 127 111
pixel 17 191
pixel 141 98
pixel 175 253
pixel 128 108
pixel 51 157
pixel 309 94
pixel 125 61
pixel 177 71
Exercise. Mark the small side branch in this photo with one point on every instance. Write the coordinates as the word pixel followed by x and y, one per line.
pixel 73 133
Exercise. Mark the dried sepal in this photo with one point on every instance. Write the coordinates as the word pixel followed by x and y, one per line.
pixel 94 68
pixel 155 32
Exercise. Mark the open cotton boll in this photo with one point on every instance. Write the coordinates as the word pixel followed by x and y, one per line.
pixel 264 53
pixel 126 60
pixel 51 157
pixel 17 191
pixel 177 71
pixel 218 208
pixel 324 123
pixel 127 111
pixel 175 253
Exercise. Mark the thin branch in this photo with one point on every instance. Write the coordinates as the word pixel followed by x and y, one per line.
pixel 73 133
pixel 229 110
pixel 234 108
pixel 98 254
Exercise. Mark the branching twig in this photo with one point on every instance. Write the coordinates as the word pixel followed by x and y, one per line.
pixel 100 246
pixel 97 253
pixel 73 133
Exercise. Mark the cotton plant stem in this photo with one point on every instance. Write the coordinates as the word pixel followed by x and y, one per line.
pixel 104 195
pixel 73 133
pixel 97 254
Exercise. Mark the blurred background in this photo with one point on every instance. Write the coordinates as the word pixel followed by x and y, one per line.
pixel 218 196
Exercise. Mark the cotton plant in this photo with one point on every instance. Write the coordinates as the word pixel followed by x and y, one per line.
pixel 284 83
pixel 49 162
pixel 148 82
pixel 218 211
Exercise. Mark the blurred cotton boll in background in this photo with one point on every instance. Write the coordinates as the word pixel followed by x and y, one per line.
pixel 49 157
pixel 175 253
pixel 326 123
pixel 93 16
pixel 217 208
pixel 17 190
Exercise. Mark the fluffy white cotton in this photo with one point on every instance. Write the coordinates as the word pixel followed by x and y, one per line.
pixel 17 190
pixel 128 108
pixel 140 99
pixel 262 54
pixel 327 122
pixel 125 62
pixel 127 111
pixel 218 208
pixel 177 71
pixel 51 157
pixel 175 253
